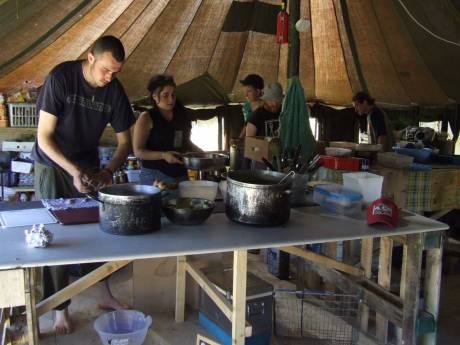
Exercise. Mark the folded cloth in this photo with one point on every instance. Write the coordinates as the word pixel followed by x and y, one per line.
pixel 64 204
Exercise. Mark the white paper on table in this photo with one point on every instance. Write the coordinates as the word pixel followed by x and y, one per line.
pixel 29 217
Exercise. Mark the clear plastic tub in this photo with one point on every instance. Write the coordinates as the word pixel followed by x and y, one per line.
pixel 337 199
pixel 122 327
pixel 367 184
pixel 133 175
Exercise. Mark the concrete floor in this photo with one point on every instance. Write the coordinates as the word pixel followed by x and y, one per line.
pixel 165 331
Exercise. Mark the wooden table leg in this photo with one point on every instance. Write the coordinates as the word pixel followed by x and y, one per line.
pixel 180 288
pixel 432 288
pixel 367 246
pixel 240 263
pixel 32 320
pixel 384 280
pixel 412 282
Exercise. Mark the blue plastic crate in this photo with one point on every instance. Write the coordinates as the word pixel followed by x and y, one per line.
pixel 226 338
pixel 420 155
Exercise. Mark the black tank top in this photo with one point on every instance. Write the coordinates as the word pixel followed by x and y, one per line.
pixel 168 136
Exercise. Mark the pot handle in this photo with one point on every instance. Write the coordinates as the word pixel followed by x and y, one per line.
pixel 284 192
pixel 94 197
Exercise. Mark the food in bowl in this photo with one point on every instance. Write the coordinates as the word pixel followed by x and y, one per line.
pixel 198 189
pixel 188 211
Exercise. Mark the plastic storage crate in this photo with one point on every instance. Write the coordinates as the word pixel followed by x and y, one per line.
pixel 23 115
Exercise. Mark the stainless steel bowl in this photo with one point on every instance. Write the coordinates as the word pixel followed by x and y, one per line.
pixel 205 160
pixel 188 211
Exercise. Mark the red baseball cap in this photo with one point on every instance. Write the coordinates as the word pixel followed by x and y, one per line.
pixel 383 210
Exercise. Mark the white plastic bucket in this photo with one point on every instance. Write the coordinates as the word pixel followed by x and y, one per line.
pixel 367 184
pixel 122 327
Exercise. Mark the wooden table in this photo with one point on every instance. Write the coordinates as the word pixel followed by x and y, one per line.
pixel 86 243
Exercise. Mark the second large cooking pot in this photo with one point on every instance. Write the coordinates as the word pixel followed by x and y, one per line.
pixel 255 197
pixel 129 209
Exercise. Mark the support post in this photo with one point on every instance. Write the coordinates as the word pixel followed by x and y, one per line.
pixel 180 288
pixel 240 262
pixel 366 264
pixel 294 40
pixel 432 288
pixel 32 320
pixel 384 280
pixel 411 294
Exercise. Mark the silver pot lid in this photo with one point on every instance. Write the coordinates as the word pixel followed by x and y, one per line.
pixel 128 193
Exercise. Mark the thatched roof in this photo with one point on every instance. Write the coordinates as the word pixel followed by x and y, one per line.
pixel 211 44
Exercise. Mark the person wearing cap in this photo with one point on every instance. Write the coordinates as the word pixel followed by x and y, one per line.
pixel 163 133
pixel 253 86
pixel 271 109
pixel 379 126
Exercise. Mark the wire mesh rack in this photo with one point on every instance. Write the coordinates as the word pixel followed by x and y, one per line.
pixel 316 317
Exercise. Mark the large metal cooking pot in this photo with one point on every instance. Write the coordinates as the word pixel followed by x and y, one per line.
pixel 129 209
pixel 255 197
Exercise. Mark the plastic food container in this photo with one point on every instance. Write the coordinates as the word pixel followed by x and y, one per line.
pixel 122 327
pixel 341 163
pixel 367 184
pixel 198 189
pixel 133 175
pixel 394 160
pixel 337 199
pixel 338 151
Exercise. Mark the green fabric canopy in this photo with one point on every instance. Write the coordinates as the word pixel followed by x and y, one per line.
pixel 295 121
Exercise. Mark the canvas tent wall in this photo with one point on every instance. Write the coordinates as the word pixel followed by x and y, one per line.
pixel 351 45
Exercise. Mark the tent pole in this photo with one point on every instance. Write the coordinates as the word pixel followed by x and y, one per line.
pixel 294 40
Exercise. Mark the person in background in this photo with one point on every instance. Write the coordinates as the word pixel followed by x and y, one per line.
pixel 271 109
pixel 76 102
pixel 253 86
pixel 379 126
pixel 163 133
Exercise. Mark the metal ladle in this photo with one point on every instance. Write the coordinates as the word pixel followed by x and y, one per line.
pixel 290 173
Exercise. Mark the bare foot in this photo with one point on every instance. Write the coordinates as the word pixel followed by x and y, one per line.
pixel 111 303
pixel 62 322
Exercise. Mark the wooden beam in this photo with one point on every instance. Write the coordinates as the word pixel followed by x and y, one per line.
pixel 80 285
pixel 5 315
pixel 432 289
pixel 31 313
pixel 240 271
pixel 412 282
pixel 324 260
pixel 180 288
pixel 367 245
pixel 352 285
pixel 384 280
pixel 208 287
pixel 12 288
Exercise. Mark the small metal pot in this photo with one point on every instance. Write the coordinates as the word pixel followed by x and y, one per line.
pixel 129 209
pixel 255 197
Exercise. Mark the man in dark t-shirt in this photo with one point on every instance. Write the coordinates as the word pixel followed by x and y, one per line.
pixel 77 101
pixel 273 98
pixel 379 127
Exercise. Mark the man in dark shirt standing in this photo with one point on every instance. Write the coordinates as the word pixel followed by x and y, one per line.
pixel 270 110
pixel 77 101
pixel 379 126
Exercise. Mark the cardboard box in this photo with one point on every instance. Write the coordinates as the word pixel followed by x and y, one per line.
pixel 256 148
pixel 22 167
pixel 17 146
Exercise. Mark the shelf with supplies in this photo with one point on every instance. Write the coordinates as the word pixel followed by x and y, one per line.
pixel 15 133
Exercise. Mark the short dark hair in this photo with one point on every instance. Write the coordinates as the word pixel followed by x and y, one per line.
pixel 109 44
pixel 362 96
pixel 254 80
pixel 158 82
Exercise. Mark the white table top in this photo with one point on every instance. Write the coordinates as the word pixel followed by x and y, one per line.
pixel 87 243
